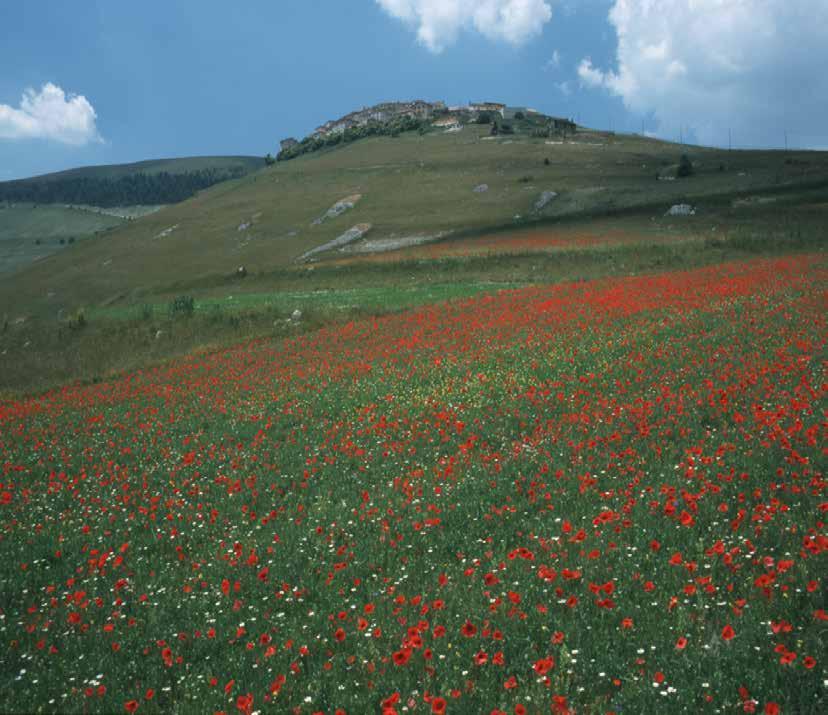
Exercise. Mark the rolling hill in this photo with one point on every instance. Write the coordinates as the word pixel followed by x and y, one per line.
pixel 41 214
pixel 166 181
pixel 440 215
pixel 410 186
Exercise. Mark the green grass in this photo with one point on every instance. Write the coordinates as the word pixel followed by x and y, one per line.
pixel 410 185
pixel 43 352
pixel 29 232
pixel 379 299
pixel 473 494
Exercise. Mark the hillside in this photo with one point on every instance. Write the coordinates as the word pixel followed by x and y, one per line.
pixel 410 186
pixel 29 232
pixel 149 182
pixel 43 214
pixel 384 223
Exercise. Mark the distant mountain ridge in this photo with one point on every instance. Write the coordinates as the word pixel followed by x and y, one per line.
pixel 162 181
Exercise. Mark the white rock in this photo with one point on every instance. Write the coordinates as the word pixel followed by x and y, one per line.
pixel 681 210
pixel 544 199
pixel 296 315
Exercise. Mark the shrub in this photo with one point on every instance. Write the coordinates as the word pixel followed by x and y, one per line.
pixel 269 160
pixel 484 118
pixel 685 167
pixel 183 305
pixel 519 116
pixel 77 320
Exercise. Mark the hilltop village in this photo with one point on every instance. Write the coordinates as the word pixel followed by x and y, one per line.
pixel 395 117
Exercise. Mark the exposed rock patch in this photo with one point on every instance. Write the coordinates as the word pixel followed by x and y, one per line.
pixel 351 235
pixel 681 210
pixel 393 243
pixel 339 208
pixel 167 231
pixel 544 199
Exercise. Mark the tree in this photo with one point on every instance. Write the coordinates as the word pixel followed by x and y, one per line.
pixel 685 167
pixel 269 160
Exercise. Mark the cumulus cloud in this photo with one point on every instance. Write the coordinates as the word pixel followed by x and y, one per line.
pixel 753 65
pixel 438 22
pixel 591 76
pixel 50 114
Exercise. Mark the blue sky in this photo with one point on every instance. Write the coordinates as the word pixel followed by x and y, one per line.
pixel 131 81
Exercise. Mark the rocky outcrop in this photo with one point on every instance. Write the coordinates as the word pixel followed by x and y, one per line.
pixel 339 208
pixel 544 199
pixel 681 210
pixel 351 235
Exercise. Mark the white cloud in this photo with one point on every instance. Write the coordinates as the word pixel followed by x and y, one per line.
pixel 438 22
pixel 50 114
pixel 591 76
pixel 553 63
pixel 754 65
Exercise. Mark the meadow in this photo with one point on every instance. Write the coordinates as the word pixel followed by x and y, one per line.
pixel 600 495
pixel 29 232
pixel 411 185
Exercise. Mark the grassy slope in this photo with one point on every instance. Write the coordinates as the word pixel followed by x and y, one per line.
pixel 153 166
pixel 28 232
pixel 22 224
pixel 125 278
pixel 412 184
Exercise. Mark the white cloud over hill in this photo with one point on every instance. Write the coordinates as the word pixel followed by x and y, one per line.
pixel 757 66
pixel 438 22
pixel 50 114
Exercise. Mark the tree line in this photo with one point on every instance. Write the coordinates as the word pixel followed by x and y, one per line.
pixel 129 190
pixel 393 129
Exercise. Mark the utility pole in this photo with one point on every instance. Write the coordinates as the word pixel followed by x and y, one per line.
pixel 786 140
pixel 729 140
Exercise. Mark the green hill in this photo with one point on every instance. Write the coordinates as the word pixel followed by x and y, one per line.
pixel 145 183
pixel 439 214
pixel 180 165
pixel 43 214
pixel 413 185
pixel 29 232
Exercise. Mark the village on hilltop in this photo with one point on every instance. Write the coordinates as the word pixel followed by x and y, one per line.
pixel 437 113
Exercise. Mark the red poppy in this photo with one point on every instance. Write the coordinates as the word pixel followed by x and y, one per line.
pixel 728 633
pixel 131 706
pixel 468 629
pixel 438 705
pixel 544 665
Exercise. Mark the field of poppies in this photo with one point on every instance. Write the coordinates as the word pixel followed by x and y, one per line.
pixel 602 496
